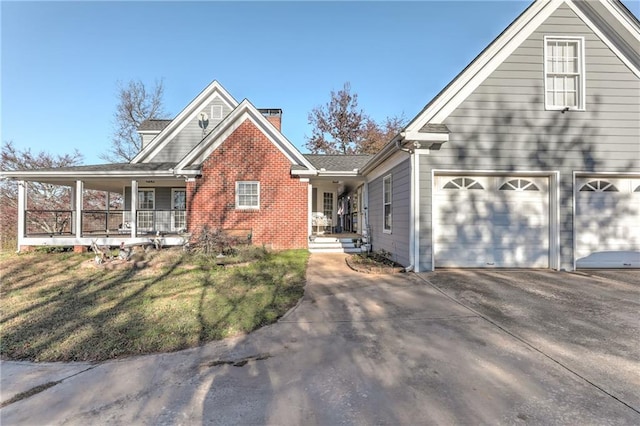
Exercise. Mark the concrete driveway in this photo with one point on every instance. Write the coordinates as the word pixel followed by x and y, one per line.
pixel 453 347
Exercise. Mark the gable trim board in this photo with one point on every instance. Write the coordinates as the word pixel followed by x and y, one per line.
pixel 244 111
pixel 214 90
pixel 500 49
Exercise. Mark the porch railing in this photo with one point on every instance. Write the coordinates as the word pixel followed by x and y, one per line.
pixel 49 222
pixel 150 221
pixel 103 222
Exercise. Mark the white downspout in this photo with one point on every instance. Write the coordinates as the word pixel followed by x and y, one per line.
pixel 416 211
pixel 412 212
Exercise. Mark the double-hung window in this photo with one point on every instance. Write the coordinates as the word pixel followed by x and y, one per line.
pixel 146 204
pixel 564 72
pixel 146 199
pixel 386 202
pixel 247 195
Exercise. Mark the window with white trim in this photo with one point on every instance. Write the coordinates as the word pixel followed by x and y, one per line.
pixel 386 202
pixel 146 204
pixel 247 195
pixel 146 199
pixel 564 72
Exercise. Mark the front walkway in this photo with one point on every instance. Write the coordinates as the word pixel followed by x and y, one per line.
pixel 358 349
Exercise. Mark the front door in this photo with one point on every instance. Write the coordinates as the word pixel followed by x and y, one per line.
pixel 178 209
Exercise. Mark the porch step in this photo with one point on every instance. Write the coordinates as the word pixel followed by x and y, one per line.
pixel 333 245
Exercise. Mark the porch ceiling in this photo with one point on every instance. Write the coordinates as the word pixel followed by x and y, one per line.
pixel 343 183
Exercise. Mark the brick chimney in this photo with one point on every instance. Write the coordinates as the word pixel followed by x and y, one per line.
pixel 274 115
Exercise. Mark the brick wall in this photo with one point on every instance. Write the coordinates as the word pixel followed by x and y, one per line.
pixel 248 155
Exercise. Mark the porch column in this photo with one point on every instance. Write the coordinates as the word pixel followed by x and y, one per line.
pixel 134 207
pixel 78 208
pixel 108 203
pixel 22 212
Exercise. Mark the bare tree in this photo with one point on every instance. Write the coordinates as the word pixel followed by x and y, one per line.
pixel 49 204
pixel 339 127
pixel 42 196
pixel 135 104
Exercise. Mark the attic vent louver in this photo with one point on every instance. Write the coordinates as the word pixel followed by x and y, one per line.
pixel 216 112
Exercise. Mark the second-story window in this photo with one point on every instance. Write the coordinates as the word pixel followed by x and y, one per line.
pixel 564 72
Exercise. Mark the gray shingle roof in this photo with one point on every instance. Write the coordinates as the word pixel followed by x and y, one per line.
pixel 338 163
pixel 434 128
pixel 154 124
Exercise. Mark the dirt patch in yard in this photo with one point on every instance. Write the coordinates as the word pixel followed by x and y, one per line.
pixel 373 263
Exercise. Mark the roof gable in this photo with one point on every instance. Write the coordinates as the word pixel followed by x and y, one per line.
pixel 230 123
pixel 186 116
pixel 513 36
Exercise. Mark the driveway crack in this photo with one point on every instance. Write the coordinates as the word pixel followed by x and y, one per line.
pixel 40 388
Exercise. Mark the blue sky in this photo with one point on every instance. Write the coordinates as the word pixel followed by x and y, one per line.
pixel 61 61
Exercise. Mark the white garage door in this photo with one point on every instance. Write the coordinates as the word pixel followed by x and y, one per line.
pixel 607 222
pixel 491 221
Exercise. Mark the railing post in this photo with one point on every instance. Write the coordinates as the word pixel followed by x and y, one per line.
pixel 78 208
pixel 134 208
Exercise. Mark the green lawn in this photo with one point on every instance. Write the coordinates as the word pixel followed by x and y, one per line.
pixel 62 307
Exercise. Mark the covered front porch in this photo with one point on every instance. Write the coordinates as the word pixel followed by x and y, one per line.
pixel 338 220
pixel 107 208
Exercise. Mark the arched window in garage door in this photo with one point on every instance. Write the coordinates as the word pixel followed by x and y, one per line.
pixel 463 183
pixel 519 185
pixel 598 186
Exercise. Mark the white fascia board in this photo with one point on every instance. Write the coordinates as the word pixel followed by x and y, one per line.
pixel 413 136
pixel 85 174
pixel 626 21
pixel 304 172
pixel 486 63
pixel 338 173
pixel 606 40
pixel 244 111
pixel 180 122
pixel 387 165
